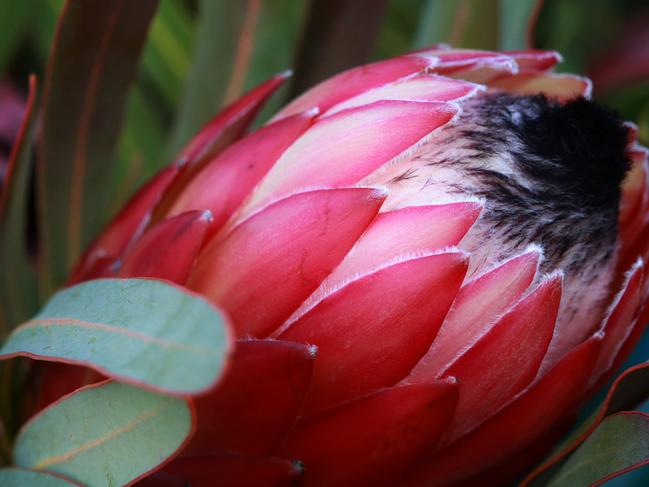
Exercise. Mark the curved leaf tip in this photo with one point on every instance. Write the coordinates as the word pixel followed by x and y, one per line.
pixel 145 332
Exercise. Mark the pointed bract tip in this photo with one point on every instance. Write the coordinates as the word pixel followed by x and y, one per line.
pixel 117 265
pixel 638 264
pixel 588 90
pixel 298 467
pixel 477 202
pixel 379 192
pixel 312 112
pixel 450 380
pixel 285 74
pixel 556 275
pixel 535 248
pixel 312 350
pixel 207 216
pixel 182 162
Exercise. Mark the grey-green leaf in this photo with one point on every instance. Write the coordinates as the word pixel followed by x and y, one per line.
pixel 106 434
pixel 142 331
pixel 619 444
pixel 18 477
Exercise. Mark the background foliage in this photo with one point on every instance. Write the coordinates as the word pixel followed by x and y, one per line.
pixel 201 54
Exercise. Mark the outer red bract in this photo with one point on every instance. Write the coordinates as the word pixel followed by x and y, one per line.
pixel 423 374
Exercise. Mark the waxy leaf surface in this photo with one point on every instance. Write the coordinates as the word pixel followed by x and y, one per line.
pixel 142 331
pixel 18 477
pixel 104 435
pixel 619 444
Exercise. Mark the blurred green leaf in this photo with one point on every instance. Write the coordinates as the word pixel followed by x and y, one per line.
pixel 141 147
pixel 629 100
pixel 398 29
pixel 165 62
pixel 580 37
pixel 619 444
pixel 17 280
pixel 44 27
pixel 18 477
pixel 478 24
pixel 333 39
pixel 142 331
pixel 516 19
pixel 278 34
pixel 461 23
pixel 167 53
pixel 15 17
pixel 105 434
pixel 92 64
pixel 237 45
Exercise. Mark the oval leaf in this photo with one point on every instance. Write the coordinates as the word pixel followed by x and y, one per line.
pixel 619 444
pixel 105 434
pixel 17 477
pixel 142 331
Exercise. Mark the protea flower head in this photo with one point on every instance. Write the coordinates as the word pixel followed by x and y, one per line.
pixel 429 262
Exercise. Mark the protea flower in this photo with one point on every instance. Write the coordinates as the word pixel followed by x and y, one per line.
pixel 429 262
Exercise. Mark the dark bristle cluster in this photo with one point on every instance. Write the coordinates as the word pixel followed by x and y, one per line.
pixel 567 163
pixel 584 146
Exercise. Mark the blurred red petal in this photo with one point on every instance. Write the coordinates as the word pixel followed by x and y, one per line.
pixel 294 244
pixel 370 333
pixel 374 440
pixel 633 208
pixel 637 330
pixel 511 470
pixel 627 59
pixel 168 250
pixel 632 188
pixel 257 402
